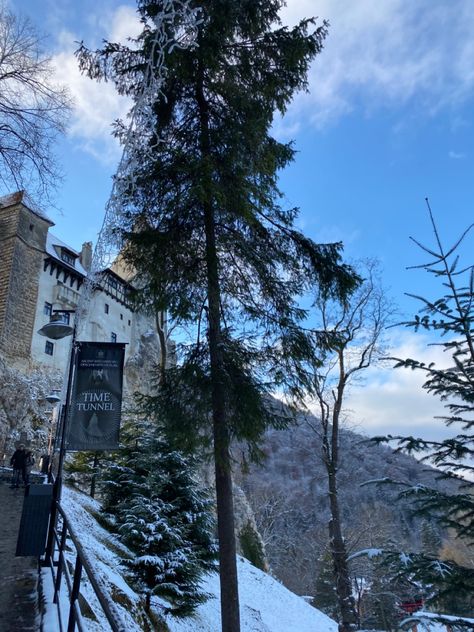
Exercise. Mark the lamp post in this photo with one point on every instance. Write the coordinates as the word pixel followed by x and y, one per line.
pixel 57 329
pixel 53 399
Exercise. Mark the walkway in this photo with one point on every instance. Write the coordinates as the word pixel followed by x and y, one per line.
pixel 18 575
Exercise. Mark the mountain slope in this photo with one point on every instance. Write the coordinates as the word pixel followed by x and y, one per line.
pixel 289 497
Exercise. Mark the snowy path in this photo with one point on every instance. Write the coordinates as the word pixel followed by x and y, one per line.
pixel 18 575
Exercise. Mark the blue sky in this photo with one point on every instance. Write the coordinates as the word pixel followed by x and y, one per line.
pixel 388 121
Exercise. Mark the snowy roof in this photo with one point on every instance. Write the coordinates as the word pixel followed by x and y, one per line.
pixel 53 249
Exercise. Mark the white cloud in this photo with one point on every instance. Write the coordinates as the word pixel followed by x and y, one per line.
pixel 455 155
pixel 378 54
pixel 388 53
pixel 96 105
pixel 394 401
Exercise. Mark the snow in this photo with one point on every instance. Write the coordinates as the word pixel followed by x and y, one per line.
pixel 370 553
pixel 430 622
pixel 405 559
pixel 265 605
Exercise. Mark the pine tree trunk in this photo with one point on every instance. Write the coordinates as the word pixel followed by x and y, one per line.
pixel 224 496
pixel 163 348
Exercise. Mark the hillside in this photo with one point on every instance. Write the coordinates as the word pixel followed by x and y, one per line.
pixel 288 495
pixel 266 605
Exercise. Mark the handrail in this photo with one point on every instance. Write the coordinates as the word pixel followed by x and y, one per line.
pixel 75 620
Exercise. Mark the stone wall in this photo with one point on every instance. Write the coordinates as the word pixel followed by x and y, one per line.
pixel 22 242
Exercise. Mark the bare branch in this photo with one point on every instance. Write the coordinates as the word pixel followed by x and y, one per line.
pixel 33 110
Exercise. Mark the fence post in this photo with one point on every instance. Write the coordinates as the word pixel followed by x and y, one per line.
pixel 62 545
pixel 74 594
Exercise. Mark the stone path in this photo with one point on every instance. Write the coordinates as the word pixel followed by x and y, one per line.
pixel 18 575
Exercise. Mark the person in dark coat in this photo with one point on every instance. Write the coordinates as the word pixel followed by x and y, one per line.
pixel 29 462
pixel 18 463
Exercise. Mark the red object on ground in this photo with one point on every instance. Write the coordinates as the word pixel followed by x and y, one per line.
pixel 411 606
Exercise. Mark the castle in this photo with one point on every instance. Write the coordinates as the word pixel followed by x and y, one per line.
pixel 40 274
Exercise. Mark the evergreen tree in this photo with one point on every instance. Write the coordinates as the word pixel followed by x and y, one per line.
pixel 449 586
pixel 252 546
pixel 430 538
pixel 325 596
pixel 206 235
pixel 379 608
pixel 160 512
pixel 84 470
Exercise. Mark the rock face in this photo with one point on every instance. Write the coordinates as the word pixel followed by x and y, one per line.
pixel 23 409
pixel 140 366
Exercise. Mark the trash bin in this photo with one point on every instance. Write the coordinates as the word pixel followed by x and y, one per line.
pixel 34 520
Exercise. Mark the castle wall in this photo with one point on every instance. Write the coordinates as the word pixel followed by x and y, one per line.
pixel 22 242
pixel 34 276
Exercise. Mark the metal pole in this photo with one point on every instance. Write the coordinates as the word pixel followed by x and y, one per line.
pixel 62 451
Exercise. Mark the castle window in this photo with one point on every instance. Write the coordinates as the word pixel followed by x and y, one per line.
pixel 129 322
pixel 113 337
pixel 49 348
pixel 67 257
pixel 121 316
pixel 47 309
pixel 65 317
pixel 106 308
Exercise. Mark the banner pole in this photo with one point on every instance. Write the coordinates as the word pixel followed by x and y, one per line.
pixel 58 483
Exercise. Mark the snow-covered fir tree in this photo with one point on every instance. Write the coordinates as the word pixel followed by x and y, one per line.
pixel 163 515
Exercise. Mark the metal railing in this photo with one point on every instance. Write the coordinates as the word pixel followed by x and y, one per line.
pixel 60 571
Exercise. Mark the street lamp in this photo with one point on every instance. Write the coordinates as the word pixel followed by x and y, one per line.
pixel 53 398
pixel 56 329
pixel 47 459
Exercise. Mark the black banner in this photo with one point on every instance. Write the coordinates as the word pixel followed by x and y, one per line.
pixel 96 400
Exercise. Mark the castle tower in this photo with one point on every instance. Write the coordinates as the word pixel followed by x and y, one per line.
pixel 23 234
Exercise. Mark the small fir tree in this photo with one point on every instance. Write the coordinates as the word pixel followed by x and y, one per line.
pixel 252 546
pixel 325 597
pixel 84 470
pixel 161 513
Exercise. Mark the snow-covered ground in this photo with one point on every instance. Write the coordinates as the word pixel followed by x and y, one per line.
pixel 266 605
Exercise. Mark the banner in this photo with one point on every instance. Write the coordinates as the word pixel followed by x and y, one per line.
pixel 96 399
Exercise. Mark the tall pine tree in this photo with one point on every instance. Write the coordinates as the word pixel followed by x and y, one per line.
pixel 205 232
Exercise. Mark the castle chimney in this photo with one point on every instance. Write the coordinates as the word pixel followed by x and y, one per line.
pixel 85 256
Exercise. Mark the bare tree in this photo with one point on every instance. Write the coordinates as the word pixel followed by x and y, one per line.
pixel 351 335
pixel 33 110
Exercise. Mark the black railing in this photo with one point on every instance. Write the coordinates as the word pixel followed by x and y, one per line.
pixel 61 572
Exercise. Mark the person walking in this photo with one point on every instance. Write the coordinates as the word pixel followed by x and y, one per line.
pixel 18 463
pixel 29 462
